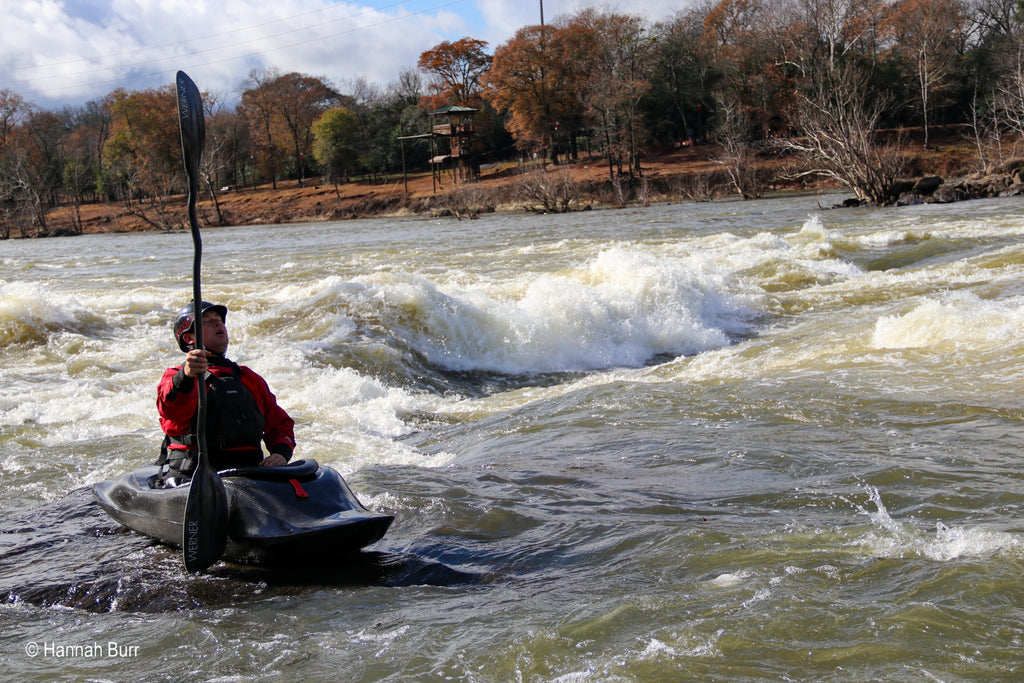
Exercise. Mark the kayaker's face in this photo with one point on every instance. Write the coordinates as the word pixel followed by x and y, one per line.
pixel 215 333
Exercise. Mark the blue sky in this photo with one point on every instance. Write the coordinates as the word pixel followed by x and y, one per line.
pixel 57 52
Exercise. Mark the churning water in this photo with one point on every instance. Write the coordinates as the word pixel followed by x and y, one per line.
pixel 724 441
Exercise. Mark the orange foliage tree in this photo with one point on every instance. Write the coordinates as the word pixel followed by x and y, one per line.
pixel 749 40
pixel 457 69
pixel 143 153
pixel 585 72
pixel 523 81
pixel 281 109
pixel 607 58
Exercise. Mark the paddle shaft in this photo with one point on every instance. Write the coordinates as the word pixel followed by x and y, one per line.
pixel 204 527
pixel 197 308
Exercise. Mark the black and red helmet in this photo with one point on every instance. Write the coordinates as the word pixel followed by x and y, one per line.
pixel 186 317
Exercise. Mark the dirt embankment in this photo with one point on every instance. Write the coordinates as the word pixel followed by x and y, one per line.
pixel 687 173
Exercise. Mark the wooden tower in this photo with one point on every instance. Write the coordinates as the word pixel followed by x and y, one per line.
pixel 453 129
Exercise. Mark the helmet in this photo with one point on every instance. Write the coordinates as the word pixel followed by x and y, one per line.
pixel 186 316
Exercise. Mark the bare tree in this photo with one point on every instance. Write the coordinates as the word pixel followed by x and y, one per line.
pixel 543 191
pixel 837 115
pixel 1009 98
pixel 13 110
pixel 930 34
pixel 733 136
pixel 220 128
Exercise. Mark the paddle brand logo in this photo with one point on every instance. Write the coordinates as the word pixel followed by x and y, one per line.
pixel 193 541
pixel 183 108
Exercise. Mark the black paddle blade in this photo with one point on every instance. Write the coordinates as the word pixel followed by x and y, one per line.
pixel 205 530
pixel 191 125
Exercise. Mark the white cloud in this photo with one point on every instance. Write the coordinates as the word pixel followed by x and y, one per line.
pixel 55 52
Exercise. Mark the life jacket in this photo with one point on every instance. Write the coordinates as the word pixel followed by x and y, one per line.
pixel 234 429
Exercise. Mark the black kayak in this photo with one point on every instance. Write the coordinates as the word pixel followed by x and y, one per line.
pixel 294 513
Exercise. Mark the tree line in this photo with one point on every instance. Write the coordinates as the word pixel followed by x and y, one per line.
pixel 833 81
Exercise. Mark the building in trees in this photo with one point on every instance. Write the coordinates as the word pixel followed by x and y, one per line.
pixel 453 129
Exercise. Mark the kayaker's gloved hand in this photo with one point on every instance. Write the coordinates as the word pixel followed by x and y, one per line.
pixel 274 460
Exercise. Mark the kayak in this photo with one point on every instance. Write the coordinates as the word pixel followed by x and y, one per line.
pixel 296 512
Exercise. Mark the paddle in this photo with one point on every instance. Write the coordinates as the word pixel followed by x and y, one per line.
pixel 205 527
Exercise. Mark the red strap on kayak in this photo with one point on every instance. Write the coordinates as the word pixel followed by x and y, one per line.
pixel 299 491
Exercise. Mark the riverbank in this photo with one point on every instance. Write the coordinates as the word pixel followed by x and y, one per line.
pixel 683 174
pixel 418 194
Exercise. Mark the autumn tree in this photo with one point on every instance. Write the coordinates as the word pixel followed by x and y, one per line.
pixel 745 39
pixel 523 81
pixel 258 108
pixel 80 174
pixel 456 70
pixel 281 109
pixel 301 100
pixel 143 153
pixel 606 59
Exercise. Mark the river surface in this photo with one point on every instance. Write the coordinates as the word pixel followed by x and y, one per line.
pixel 730 441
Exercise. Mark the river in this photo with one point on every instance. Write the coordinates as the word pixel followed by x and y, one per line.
pixel 724 441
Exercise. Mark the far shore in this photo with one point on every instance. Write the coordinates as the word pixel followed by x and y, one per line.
pixel 678 175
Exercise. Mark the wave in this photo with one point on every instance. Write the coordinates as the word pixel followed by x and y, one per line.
pixel 960 319
pixel 621 309
pixel 29 314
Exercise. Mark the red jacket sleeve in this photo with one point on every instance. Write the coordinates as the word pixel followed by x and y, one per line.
pixel 176 401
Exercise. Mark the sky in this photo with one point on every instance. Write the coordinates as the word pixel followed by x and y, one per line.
pixel 66 52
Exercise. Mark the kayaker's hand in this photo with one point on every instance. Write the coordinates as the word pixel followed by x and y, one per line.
pixel 274 460
pixel 195 363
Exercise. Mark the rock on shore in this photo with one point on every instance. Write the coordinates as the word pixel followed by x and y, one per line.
pixel 1006 180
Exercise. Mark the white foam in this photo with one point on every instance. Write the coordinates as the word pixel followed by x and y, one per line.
pixel 28 312
pixel 622 308
pixel 962 319
pixel 895 538
pixel 730 579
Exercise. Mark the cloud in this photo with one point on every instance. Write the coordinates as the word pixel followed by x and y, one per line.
pixel 57 52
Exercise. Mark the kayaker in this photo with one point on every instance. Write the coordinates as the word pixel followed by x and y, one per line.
pixel 241 410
